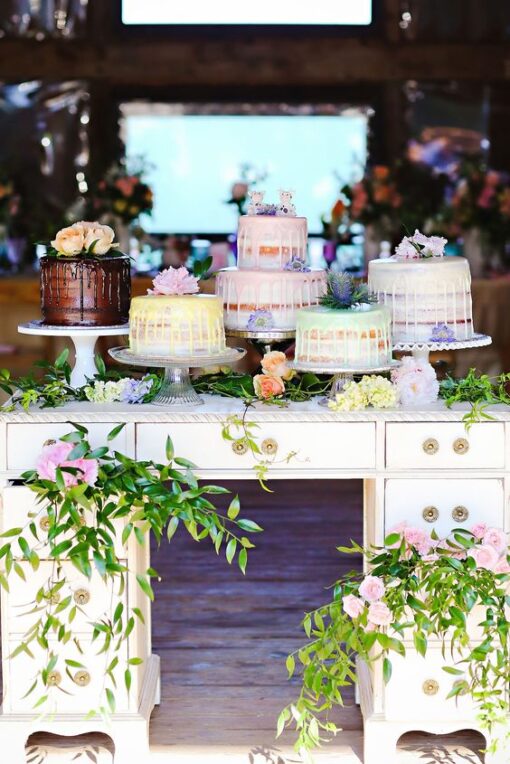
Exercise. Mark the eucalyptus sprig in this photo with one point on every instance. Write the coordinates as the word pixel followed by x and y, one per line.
pixel 480 390
pixel 50 390
pixel 82 527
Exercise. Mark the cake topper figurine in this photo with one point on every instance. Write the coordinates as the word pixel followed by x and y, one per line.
pixel 286 207
pixel 256 202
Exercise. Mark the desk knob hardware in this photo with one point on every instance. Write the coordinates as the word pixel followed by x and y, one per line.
pixel 239 447
pixel 54 678
pixel 82 596
pixel 430 687
pixel 269 446
pixel 461 446
pixel 44 523
pixel 430 514
pixel 460 514
pixel 430 446
pixel 82 678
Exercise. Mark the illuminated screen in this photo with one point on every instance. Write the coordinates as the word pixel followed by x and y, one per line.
pixel 199 12
pixel 195 160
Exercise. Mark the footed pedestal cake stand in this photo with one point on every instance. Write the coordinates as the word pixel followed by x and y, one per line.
pixel 176 387
pixel 341 374
pixel 421 350
pixel 266 337
pixel 84 340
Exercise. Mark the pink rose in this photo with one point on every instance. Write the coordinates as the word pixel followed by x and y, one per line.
pixel 274 364
pixel 267 387
pixel 353 606
pixel 421 541
pixel 502 565
pixel 174 281
pixel 485 557
pixel 379 614
pixel 479 530
pixel 55 455
pixel 372 588
pixel 497 538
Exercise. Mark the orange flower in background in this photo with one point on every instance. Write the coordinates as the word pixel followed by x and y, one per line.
pixel 338 209
pixel 382 194
pixel 380 172
pixel 504 203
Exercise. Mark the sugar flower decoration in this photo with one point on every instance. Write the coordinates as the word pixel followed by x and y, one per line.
pixel 442 333
pixel 297 265
pixel 260 320
pixel 174 281
pixel 420 246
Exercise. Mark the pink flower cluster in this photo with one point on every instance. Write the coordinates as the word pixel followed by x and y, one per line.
pixel 176 281
pixel 416 382
pixel 55 455
pixel 127 184
pixel 371 591
pixel 492 552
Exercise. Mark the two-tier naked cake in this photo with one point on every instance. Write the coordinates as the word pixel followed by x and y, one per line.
pixel 272 280
pixel 429 295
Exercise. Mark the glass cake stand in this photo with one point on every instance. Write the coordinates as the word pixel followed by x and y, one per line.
pixel 267 338
pixel 84 340
pixel 341 374
pixel 176 387
pixel 421 350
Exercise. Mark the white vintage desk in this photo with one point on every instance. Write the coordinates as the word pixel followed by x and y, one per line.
pixel 417 465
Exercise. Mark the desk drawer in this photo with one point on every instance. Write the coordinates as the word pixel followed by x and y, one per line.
pixel 25 441
pixel 445 445
pixel 441 505
pixel 319 445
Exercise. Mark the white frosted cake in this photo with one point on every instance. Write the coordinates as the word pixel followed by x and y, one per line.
pixel 272 279
pixel 173 320
pixel 429 297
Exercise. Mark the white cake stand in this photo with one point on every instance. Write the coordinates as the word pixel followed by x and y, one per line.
pixel 267 337
pixel 421 350
pixel 176 387
pixel 84 340
pixel 341 374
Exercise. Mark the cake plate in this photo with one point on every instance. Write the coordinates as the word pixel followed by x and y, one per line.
pixel 341 375
pixel 84 340
pixel 421 350
pixel 176 387
pixel 267 338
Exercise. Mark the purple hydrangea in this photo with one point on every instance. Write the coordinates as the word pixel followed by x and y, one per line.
pixel 297 265
pixel 442 333
pixel 260 320
pixel 135 390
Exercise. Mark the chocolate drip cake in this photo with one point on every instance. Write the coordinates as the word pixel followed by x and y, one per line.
pixel 85 291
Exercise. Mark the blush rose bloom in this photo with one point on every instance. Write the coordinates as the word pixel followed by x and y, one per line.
pixel 379 614
pixel 55 455
pixel 497 538
pixel 479 530
pixel 267 387
pixel 274 364
pixel 372 588
pixel 101 236
pixel 485 557
pixel 69 241
pixel 352 605
pixel 502 565
pixel 421 541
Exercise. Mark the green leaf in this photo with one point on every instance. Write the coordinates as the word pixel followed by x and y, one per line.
pixel 78 451
pixel 62 359
pixel 169 449
pixel 234 508
pixel 243 560
pixel 386 670
pixel 59 479
pixel 110 697
pixel 145 586
pixel 172 527
pixel 100 365
pixel 113 433
pixel 12 532
pixel 231 550
pixel 290 665
pixel 250 526
pixel 127 679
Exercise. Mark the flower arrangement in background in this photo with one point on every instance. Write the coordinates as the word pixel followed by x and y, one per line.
pixel 420 588
pixel 249 177
pixel 121 194
pixel 84 239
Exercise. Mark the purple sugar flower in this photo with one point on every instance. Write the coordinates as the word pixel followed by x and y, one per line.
pixel 260 320
pixel 296 264
pixel 442 333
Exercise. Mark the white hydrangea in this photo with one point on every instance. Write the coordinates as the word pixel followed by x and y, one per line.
pixel 105 392
pixel 353 398
pixel 379 391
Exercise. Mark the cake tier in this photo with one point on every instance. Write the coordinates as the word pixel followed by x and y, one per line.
pixel 423 294
pixel 258 300
pixel 173 325
pixel 81 291
pixel 268 242
pixel 344 338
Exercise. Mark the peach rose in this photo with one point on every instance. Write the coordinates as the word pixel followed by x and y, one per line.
pixel 379 614
pixel 274 364
pixel 69 241
pixel 268 387
pixel 372 588
pixel 352 605
pixel 98 236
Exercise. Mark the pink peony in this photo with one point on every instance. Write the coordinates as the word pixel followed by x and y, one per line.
pixel 502 565
pixel 372 588
pixel 485 556
pixel 274 364
pixel 421 541
pixel 479 530
pixel 497 538
pixel 416 382
pixel 174 281
pixel 379 614
pixel 353 606
pixel 55 455
pixel 267 387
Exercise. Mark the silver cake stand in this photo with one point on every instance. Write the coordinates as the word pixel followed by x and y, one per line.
pixel 84 340
pixel 341 374
pixel 267 337
pixel 176 387
pixel 421 350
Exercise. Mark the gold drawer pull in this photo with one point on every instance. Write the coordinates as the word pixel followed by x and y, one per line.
pixel 82 596
pixel 44 523
pixel 54 678
pixel 430 514
pixel 269 446
pixel 461 446
pixel 430 687
pixel 239 447
pixel 430 446
pixel 460 514
pixel 82 678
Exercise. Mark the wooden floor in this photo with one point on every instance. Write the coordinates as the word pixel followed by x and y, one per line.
pixel 223 638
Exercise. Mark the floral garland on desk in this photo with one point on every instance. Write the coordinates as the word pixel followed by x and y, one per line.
pixel 82 493
pixel 420 588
